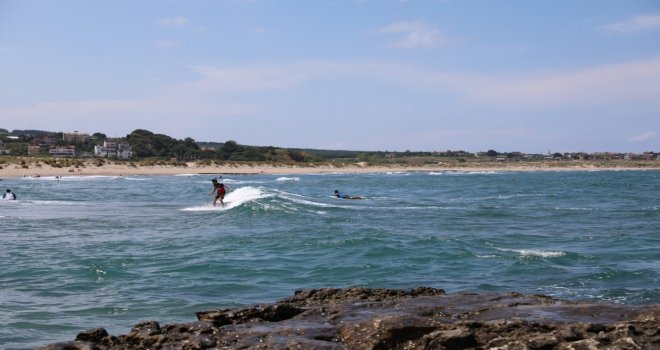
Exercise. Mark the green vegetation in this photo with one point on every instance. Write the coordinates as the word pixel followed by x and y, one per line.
pixel 17 148
pixel 151 148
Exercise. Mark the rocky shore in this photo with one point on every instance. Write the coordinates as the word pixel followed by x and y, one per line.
pixel 422 318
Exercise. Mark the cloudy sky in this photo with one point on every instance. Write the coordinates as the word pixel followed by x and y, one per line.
pixel 509 75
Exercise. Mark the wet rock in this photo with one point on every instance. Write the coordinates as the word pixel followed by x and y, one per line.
pixel 335 295
pixel 422 318
pixel 271 313
pixel 94 335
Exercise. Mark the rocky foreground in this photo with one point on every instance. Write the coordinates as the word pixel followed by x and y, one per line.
pixel 422 318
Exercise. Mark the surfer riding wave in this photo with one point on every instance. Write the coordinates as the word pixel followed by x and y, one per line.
pixel 220 190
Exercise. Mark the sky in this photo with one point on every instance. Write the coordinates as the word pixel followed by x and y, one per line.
pixel 390 75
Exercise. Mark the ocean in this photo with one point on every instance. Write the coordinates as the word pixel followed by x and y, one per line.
pixel 82 252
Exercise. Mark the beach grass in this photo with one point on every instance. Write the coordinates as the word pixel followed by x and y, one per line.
pixel 32 166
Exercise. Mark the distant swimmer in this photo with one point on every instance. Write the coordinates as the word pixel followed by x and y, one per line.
pixel 345 196
pixel 9 195
pixel 220 189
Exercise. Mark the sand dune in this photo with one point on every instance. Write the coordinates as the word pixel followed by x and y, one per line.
pixel 90 167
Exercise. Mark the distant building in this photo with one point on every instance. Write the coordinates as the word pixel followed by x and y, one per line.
pixel 75 137
pixel 43 141
pixel 33 150
pixel 108 149
pixel 62 151
pixel 3 150
pixel 112 148
pixel 188 157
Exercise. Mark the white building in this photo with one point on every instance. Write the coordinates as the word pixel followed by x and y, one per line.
pixel 113 148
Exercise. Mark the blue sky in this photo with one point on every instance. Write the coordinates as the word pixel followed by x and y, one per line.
pixel 530 76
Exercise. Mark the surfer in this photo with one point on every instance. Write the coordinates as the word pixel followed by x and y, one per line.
pixel 9 195
pixel 345 196
pixel 220 189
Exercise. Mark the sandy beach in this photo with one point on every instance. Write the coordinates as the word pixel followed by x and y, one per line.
pixel 90 167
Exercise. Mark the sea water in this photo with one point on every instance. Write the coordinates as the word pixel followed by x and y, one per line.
pixel 110 251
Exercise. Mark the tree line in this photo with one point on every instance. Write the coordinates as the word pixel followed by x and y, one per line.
pixel 146 144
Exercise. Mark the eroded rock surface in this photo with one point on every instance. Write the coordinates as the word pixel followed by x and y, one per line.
pixel 422 318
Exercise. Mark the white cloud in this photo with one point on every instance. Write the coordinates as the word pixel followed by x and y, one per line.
pixel 643 137
pixel 174 22
pixel 258 78
pixel 217 92
pixel 603 85
pixel 161 111
pixel 635 24
pixel 416 34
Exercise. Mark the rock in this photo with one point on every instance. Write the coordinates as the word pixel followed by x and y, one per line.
pixel 94 335
pixel 422 318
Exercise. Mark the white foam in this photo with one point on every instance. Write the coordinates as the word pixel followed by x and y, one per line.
pixel 72 178
pixel 533 252
pixel 288 179
pixel 31 203
pixel 312 203
pixel 233 199
pixel 303 200
pixel 52 202
pixel 575 209
pixel 242 182
pixel 485 172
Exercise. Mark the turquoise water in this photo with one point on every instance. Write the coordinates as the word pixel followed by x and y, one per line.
pixel 102 251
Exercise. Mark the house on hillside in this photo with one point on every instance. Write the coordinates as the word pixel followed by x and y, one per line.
pixel 43 141
pixel 76 137
pixel 33 150
pixel 113 148
pixel 62 151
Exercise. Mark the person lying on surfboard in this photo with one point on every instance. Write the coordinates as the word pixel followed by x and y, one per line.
pixel 220 189
pixel 345 196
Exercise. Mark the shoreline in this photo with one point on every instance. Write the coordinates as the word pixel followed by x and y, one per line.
pixel 18 170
